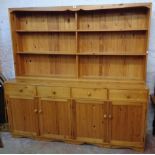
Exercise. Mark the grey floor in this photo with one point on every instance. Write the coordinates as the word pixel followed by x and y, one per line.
pixel 25 145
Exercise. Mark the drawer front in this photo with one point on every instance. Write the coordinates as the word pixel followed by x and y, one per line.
pixel 53 92
pixel 20 90
pixel 92 93
pixel 137 95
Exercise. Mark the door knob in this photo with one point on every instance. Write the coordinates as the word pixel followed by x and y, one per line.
pixel 54 92
pixel 105 116
pixel 89 94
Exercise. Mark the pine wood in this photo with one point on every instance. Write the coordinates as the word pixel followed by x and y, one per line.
pixel 80 74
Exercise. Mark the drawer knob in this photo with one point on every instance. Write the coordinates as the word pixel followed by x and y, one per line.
pixel 89 94
pixel 105 116
pixel 128 96
pixel 35 110
pixel 54 92
pixel 21 90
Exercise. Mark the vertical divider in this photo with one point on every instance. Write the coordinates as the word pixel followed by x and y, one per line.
pixel 77 50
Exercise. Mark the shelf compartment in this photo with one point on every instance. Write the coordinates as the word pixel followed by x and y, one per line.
pixel 45 65
pixel 105 42
pixel 47 42
pixel 46 20
pixel 131 18
pixel 111 67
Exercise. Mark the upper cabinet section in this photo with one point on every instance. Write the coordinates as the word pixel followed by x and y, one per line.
pixel 82 42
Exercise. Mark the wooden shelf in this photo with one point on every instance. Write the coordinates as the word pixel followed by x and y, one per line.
pixel 43 31
pixel 112 30
pixel 61 76
pixel 80 54
pixel 47 53
pixel 81 79
pixel 111 54
pixel 109 78
pixel 98 30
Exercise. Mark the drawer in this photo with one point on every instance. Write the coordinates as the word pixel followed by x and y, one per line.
pixel 53 92
pixel 20 90
pixel 139 95
pixel 94 93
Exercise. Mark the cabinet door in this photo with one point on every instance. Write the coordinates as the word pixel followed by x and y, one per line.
pixel 91 121
pixel 127 123
pixel 23 115
pixel 55 118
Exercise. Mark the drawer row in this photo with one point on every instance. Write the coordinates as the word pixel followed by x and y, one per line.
pixel 66 92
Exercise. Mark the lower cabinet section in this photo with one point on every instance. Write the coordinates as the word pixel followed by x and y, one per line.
pixel 55 118
pixel 111 122
pixel 22 115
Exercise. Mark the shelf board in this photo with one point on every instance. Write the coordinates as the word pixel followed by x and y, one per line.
pixel 47 53
pixel 109 78
pixel 113 30
pixel 59 76
pixel 43 31
pixel 84 53
pixel 112 53
pixel 81 79
pixel 86 30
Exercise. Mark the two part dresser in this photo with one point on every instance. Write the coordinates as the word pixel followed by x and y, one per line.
pixel 80 74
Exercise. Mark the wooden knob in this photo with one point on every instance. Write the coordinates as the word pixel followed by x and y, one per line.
pixel 35 110
pixel 89 94
pixel 21 90
pixel 105 116
pixel 128 96
pixel 54 92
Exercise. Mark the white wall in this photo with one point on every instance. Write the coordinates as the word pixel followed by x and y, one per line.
pixel 6 59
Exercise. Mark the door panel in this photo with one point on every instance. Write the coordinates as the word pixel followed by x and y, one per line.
pixel 91 121
pixel 55 118
pixel 127 122
pixel 23 116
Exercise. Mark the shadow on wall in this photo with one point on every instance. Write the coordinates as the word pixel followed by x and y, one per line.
pixel 0 68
